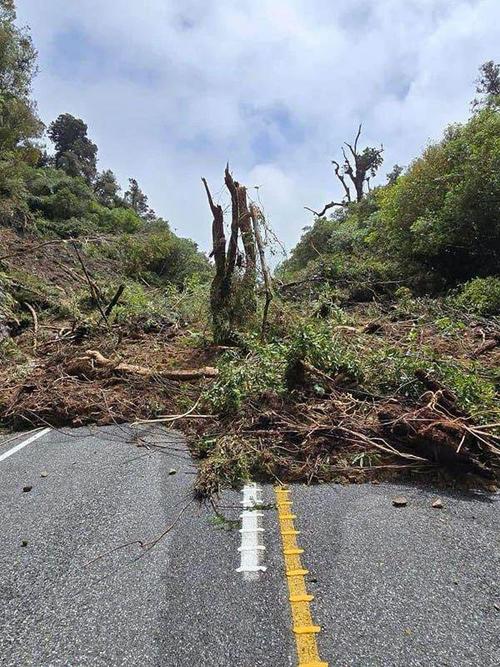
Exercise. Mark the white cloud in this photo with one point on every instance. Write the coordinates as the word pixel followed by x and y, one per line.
pixel 172 90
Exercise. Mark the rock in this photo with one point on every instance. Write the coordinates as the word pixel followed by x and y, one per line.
pixel 399 501
pixel 27 489
pixel 44 473
pixel 24 543
pixel 172 471
pixel 438 504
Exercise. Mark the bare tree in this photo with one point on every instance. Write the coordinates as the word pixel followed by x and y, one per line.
pixel 358 167
pixel 232 299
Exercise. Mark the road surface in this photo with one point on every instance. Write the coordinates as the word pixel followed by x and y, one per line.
pixel 79 585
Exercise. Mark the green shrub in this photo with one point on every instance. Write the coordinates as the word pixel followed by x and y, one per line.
pixel 158 255
pixel 137 304
pixel 475 394
pixel 243 376
pixel 481 296
pixel 9 350
pixel 117 220
pixel 392 370
pixel 192 301
pixel 315 344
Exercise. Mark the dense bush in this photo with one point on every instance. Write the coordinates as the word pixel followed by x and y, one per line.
pixel 443 213
pixel 158 255
pixel 432 228
pixel 480 295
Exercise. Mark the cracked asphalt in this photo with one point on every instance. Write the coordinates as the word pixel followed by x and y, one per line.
pixel 393 586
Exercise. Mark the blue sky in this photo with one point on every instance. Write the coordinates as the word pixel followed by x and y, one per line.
pixel 173 90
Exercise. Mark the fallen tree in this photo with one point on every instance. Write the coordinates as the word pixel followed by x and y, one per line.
pixel 93 359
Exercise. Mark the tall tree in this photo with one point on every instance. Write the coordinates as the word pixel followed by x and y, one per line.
pixel 75 152
pixel 488 86
pixel 106 188
pixel 358 167
pixel 138 201
pixel 18 118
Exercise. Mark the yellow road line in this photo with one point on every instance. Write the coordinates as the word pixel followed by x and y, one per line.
pixel 303 627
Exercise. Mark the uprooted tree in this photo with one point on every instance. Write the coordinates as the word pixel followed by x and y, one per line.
pixel 233 299
pixel 358 167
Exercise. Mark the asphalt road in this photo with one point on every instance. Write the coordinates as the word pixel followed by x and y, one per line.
pixel 402 587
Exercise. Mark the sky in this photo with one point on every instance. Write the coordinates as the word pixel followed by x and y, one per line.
pixel 172 90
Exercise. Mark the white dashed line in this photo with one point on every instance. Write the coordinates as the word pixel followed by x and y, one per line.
pixel 15 449
pixel 251 548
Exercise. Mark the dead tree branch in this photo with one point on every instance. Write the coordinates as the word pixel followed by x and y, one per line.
pixel 325 208
pixel 94 292
pixel 358 166
pixel 35 323
pixel 114 300
pixel 257 216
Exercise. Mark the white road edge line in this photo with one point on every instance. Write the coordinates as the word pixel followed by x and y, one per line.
pixel 251 533
pixel 15 449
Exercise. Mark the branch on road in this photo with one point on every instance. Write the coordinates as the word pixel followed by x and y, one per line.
pixel 147 546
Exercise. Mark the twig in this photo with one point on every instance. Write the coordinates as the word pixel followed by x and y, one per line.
pixel 147 546
pixel 91 285
pixel 35 323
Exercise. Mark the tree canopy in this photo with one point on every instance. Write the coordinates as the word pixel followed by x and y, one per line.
pixel 19 122
pixel 431 227
pixel 75 152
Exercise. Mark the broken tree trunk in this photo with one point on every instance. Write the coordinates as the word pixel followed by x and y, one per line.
pixel 232 300
pixel 257 217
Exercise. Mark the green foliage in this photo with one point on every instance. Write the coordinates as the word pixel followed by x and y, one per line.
pixel 231 463
pixel 430 228
pixel 157 255
pixel 192 302
pixel 448 326
pixel 247 376
pixel 138 304
pixel 117 220
pixel 443 213
pixel 249 373
pixel 75 153
pixel 311 245
pixel 314 344
pixel 138 202
pixel 366 459
pixel 18 120
pixel 480 295
pixel 391 369
pixel 476 395
pixel 488 86
pixel 9 350
pixel 106 189
pixel 14 209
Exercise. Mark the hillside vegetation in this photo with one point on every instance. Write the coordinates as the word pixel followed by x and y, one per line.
pixel 373 350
